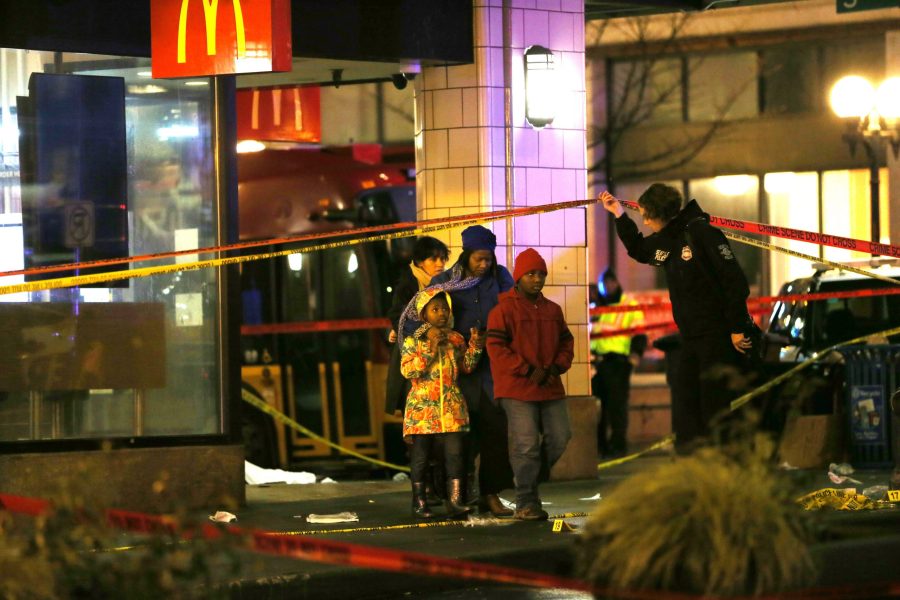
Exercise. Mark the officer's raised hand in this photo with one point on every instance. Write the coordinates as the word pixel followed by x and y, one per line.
pixel 611 203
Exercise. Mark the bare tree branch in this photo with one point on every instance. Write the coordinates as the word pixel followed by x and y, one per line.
pixel 641 91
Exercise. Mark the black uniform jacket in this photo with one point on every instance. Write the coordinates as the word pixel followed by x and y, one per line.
pixel 405 288
pixel 707 287
pixel 397 386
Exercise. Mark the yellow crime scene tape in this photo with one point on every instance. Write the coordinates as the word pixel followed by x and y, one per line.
pixel 425 525
pixel 78 280
pixel 279 416
pixel 842 499
pixel 836 265
pixel 656 446
pixel 742 400
pixel 662 443
pixel 769 246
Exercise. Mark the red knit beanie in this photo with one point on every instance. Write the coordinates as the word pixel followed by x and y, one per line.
pixel 528 260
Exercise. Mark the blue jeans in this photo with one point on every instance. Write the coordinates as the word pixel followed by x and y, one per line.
pixel 528 423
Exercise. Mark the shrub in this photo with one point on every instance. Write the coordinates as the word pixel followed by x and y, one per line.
pixel 715 522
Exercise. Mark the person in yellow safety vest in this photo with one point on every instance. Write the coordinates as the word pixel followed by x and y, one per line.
pixel 614 359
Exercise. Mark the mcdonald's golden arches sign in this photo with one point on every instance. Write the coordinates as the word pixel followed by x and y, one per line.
pixel 192 38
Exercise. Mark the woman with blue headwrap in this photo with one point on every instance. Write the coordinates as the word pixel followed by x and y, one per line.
pixel 474 284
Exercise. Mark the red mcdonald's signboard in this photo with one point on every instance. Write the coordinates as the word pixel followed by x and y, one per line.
pixel 286 114
pixel 195 38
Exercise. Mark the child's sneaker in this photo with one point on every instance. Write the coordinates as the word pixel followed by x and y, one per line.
pixel 531 513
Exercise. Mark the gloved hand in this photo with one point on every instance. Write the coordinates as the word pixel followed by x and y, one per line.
pixel 537 375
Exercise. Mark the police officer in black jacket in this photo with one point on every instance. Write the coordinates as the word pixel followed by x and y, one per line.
pixel 708 291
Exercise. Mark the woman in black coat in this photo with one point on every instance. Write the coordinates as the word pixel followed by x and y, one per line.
pixel 429 255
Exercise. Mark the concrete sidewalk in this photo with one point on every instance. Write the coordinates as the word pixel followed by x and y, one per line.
pixel 856 548
pixel 531 546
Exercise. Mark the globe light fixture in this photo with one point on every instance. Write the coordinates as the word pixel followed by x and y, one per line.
pixel 887 98
pixel 873 121
pixel 852 96
pixel 540 86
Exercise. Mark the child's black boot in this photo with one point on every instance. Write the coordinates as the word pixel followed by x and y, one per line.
pixel 454 504
pixel 419 505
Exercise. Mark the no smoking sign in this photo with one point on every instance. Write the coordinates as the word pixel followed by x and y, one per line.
pixel 79 224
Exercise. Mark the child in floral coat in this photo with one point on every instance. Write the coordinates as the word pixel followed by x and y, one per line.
pixel 436 412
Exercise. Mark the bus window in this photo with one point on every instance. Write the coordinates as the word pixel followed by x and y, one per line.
pixel 390 258
pixel 347 292
pixel 256 277
pixel 301 272
pixel 404 200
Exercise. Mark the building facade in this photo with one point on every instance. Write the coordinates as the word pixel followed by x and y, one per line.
pixel 732 107
pixel 133 387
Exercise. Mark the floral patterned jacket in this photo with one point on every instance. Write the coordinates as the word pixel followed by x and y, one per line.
pixel 434 403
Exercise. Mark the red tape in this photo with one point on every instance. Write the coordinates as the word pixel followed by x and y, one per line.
pixel 382 323
pixel 624 308
pixel 667 325
pixel 812 237
pixel 317 549
pixel 34 507
pixel 401 561
pixel 347 233
pixel 316 326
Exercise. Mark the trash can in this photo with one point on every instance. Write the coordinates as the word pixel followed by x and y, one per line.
pixel 873 374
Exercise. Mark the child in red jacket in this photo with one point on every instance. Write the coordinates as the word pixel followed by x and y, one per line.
pixel 530 346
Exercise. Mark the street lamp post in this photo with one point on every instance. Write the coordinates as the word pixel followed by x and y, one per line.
pixel 873 120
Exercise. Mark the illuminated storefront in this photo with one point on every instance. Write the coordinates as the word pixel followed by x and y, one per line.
pixel 135 383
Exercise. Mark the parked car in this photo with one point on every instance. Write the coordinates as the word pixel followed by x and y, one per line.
pixel 798 329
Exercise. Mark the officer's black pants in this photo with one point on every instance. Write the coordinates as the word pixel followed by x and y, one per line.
pixel 700 388
pixel 611 384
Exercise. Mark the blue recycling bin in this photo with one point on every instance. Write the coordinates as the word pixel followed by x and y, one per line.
pixel 873 373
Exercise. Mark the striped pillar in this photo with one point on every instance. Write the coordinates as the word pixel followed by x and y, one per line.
pixel 474 155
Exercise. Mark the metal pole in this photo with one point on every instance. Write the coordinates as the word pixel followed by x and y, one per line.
pixel 874 189
pixel 874 195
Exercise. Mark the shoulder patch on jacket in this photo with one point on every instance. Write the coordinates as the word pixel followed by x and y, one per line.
pixel 661 255
pixel 726 252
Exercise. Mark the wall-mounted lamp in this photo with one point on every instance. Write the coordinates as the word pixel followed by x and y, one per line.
pixel 540 86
